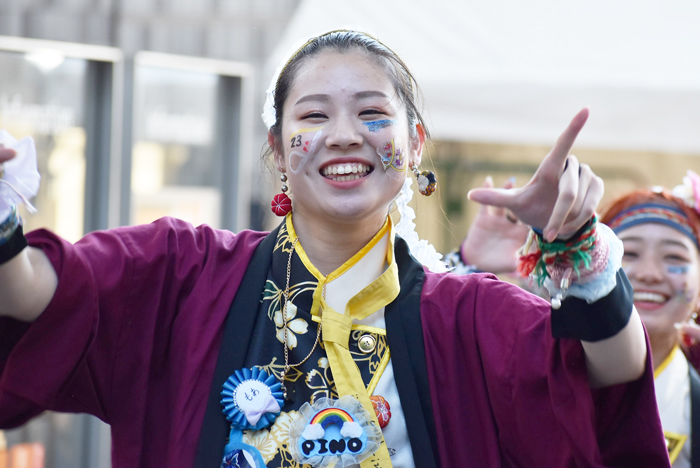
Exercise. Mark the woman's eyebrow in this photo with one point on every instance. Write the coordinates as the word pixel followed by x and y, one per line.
pixel 326 97
pixel 313 97
pixel 368 94
pixel 631 239
pixel 674 243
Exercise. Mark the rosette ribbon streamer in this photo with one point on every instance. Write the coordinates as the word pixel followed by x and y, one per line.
pixel 252 399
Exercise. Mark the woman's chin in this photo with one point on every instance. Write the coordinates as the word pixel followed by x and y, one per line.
pixel 356 214
pixel 658 327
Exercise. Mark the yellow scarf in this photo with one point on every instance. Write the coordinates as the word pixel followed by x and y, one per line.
pixel 336 327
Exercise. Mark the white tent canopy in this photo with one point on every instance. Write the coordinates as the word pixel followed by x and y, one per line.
pixel 515 72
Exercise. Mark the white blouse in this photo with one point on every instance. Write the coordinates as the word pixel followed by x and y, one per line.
pixel 672 384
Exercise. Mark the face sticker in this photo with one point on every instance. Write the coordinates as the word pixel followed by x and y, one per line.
pixel 684 295
pixel 392 156
pixel 378 125
pixel 303 143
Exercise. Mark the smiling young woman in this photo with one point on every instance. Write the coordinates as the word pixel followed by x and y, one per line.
pixel 660 233
pixel 326 342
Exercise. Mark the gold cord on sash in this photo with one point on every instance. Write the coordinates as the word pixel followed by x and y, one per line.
pixel 336 327
pixel 285 323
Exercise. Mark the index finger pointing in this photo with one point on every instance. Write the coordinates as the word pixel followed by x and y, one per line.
pixel 557 157
pixel 492 196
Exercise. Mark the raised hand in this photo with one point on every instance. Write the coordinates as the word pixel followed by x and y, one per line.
pixel 560 197
pixel 494 237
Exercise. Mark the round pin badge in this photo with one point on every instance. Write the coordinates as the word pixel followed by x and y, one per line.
pixel 252 399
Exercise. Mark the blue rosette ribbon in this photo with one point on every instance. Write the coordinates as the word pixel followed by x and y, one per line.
pixel 252 400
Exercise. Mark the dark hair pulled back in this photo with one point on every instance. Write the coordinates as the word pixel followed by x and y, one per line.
pixel 346 41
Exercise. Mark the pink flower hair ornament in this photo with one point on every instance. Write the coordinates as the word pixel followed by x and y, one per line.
pixel 689 190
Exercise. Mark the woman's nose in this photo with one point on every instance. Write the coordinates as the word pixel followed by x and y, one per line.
pixel 343 133
pixel 647 269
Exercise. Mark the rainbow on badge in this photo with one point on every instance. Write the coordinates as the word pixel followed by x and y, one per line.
pixel 331 416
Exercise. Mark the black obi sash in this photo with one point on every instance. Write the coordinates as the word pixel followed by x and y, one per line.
pixel 404 336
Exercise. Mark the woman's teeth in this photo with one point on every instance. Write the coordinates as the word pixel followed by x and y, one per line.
pixel 343 172
pixel 643 296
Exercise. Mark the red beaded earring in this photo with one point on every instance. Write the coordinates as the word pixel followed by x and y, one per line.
pixel 281 203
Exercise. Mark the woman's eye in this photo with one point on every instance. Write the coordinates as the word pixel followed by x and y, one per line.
pixel 371 112
pixel 629 255
pixel 314 115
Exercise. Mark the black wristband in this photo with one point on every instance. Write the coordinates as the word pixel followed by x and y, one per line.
pixel 597 321
pixel 14 245
pixel 577 234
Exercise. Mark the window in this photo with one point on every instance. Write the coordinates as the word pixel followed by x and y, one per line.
pixel 42 95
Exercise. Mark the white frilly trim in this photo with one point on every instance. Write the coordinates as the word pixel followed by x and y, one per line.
pixel 421 249
pixel 21 179
pixel 605 282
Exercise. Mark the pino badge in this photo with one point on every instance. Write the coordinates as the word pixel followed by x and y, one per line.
pixel 337 433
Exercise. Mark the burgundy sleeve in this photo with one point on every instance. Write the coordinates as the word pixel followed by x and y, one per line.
pixel 505 392
pixel 113 287
pixel 545 410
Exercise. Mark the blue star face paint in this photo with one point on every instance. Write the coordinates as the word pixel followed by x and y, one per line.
pixel 677 269
pixel 377 125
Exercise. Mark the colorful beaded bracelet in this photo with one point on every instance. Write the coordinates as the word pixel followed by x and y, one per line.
pixel 537 257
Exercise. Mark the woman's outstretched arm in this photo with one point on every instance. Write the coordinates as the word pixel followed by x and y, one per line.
pixel 27 284
pixel 27 280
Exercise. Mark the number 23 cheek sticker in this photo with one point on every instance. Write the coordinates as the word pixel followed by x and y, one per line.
pixel 303 143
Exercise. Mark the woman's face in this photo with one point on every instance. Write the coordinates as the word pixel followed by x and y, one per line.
pixel 664 268
pixel 345 141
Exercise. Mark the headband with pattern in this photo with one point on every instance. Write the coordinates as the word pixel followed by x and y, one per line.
pixel 664 213
pixel 667 215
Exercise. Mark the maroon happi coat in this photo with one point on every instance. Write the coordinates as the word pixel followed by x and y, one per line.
pixel 133 333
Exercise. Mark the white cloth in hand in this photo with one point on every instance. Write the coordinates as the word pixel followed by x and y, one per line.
pixel 21 179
